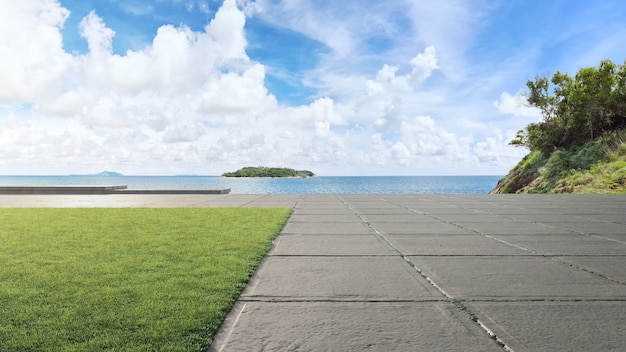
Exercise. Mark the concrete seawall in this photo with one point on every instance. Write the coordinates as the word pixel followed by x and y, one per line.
pixel 119 189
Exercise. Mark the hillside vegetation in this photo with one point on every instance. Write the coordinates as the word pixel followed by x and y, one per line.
pixel 262 171
pixel 596 167
pixel 579 146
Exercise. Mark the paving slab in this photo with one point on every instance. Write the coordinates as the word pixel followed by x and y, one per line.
pixel 616 218
pixel 446 244
pixel 395 218
pixel 515 277
pixel 331 245
pixel 367 326
pixel 472 218
pixel 312 198
pixel 125 200
pixel 613 267
pixel 339 279
pixel 552 218
pixel 568 244
pixel 591 227
pixel 335 204
pixel 513 227
pixel 326 218
pixel 556 210
pixel 617 238
pixel 440 212
pixel 390 211
pixel 556 326
pixel 338 228
pixel 322 211
pixel 410 228
pixel 376 204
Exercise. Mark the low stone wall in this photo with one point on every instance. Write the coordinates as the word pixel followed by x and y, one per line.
pixel 120 189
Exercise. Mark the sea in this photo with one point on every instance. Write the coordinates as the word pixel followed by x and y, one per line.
pixel 313 185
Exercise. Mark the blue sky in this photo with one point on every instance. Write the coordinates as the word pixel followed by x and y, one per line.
pixel 338 87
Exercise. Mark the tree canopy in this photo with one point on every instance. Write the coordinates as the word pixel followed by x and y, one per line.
pixel 262 171
pixel 575 109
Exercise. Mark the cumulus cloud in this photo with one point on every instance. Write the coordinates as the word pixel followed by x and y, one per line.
pixel 162 93
pixel 496 150
pixel 516 105
pixel 233 92
pixel 450 26
pixel 33 60
pixel 387 78
pixel 194 101
pixel 423 137
pixel 424 64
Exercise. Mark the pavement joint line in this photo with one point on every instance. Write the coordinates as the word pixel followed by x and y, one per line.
pixel 608 239
pixel 551 257
pixel 232 328
pixel 450 298
pixel 252 201
pixel 539 300
pixel 573 265
pixel 456 302
pixel 281 299
pixel 494 336
pixel 396 249
pixel 277 299
pixel 547 256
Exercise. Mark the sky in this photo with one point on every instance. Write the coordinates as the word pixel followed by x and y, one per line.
pixel 341 88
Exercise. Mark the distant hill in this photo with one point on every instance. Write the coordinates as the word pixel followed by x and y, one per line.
pixel 262 171
pixel 103 174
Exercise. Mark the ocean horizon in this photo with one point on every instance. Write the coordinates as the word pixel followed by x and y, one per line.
pixel 313 185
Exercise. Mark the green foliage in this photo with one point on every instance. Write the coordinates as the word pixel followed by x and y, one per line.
pixel 576 109
pixel 579 145
pixel 262 171
pixel 125 279
pixel 599 166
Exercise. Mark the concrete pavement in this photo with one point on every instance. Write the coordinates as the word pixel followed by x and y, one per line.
pixel 439 273
pixel 147 200
pixel 424 272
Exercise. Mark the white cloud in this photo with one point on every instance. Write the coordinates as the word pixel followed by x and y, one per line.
pixel 423 137
pixel 401 153
pixel 33 60
pixel 232 92
pixel 120 107
pixel 136 9
pixel 516 105
pixel 194 101
pixel 98 36
pixel 449 25
pixel 423 64
pixel 496 150
pixel 184 132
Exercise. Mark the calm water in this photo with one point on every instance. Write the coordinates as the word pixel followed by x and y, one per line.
pixel 315 185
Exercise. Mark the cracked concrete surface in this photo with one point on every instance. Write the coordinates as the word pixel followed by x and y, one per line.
pixel 424 272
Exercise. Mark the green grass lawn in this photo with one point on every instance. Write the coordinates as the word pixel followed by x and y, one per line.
pixel 125 279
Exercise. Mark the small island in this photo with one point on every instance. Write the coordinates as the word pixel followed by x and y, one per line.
pixel 262 171
pixel 101 174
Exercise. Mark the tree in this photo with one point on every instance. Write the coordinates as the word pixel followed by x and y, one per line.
pixel 575 109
